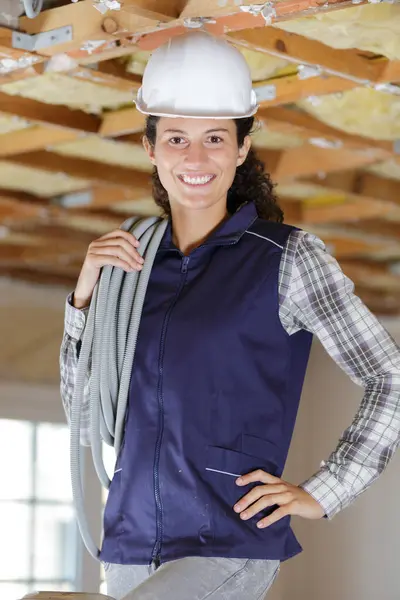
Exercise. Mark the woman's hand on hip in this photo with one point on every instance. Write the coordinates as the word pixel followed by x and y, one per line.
pixel 291 499
pixel 118 249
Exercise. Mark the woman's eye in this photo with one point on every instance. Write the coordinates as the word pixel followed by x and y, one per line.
pixel 215 139
pixel 176 140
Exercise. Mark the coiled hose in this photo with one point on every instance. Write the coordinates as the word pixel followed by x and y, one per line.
pixel 109 339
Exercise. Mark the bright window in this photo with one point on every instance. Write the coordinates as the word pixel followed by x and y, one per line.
pixel 38 549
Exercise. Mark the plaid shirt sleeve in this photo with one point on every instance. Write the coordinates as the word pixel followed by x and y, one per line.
pixel 74 325
pixel 315 295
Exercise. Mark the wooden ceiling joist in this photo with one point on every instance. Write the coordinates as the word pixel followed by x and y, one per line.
pixel 281 164
pixel 34 138
pixel 89 24
pixel 48 114
pixel 81 168
pixel 300 50
pixel 362 183
pixel 144 17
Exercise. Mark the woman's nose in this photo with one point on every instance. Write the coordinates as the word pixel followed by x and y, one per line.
pixel 196 154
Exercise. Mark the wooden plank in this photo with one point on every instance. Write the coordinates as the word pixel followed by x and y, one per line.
pixel 104 197
pixel 109 80
pixel 81 168
pixel 122 122
pixel 306 126
pixel 290 89
pixel 363 184
pixel 40 276
pixel 87 24
pixel 353 210
pixel 345 246
pixel 282 165
pixel 380 303
pixel 285 9
pixel 34 138
pixel 304 161
pixel 371 275
pixel 385 229
pixel 292 46
pixel 48 114
pixel 11 210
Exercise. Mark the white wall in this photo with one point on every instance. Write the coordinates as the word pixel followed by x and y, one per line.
pixel 356 555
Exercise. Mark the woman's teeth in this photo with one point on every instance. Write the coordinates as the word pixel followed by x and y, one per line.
pixel 197 180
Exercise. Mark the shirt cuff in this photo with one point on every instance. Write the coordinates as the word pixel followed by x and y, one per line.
pixel 75 319
pixel 327 490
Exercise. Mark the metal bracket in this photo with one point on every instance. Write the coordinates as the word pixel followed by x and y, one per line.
pixel 265 92
pixel 25 41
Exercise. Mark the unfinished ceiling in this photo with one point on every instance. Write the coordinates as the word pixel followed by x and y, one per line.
pixel 71 162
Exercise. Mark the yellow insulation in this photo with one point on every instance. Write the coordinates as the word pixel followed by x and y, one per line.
pixel 56 88
pixel 370 27
pixel 361 111
pixel 107 151
pixel 389 169
pixel 35 181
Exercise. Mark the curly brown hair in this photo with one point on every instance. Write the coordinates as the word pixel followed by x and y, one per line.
pixel 251 182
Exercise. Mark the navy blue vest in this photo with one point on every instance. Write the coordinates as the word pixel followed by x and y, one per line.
pixel 214 393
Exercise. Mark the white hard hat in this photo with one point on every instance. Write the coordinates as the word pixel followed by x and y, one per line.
pixel 197 75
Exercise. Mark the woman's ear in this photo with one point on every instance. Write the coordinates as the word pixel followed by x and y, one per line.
pixel 243 151
pixel 149 149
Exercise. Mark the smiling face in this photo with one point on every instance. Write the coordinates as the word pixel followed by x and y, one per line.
pixel 196 160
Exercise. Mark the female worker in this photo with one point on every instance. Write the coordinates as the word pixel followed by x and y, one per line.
pixel 197 507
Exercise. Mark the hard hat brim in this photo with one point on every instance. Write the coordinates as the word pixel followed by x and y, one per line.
pixel 145 110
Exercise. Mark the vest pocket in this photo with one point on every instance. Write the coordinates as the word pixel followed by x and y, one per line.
pixel 223 466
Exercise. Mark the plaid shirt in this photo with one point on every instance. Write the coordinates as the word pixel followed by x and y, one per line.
pixel 315 295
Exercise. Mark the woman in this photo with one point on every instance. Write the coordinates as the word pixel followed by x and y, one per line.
pixel 197 507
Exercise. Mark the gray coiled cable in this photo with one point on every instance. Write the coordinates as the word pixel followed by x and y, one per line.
pixel 109 339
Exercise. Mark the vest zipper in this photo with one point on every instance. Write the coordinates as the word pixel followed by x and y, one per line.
pixel 156 553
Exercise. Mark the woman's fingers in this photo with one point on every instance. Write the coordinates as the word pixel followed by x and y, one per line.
pixel 265 502
pixel 104 260
pixel 258 492
pixel 291 499
pixel 102 255
pixel 122 234
pixel 117 244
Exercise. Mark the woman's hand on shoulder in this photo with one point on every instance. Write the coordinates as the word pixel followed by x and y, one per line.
pixel 118 249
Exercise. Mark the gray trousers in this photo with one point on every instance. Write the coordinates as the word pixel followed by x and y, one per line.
pixel 193 578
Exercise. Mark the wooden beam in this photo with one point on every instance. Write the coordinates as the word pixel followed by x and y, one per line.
pixel 379 227
pixel 298 49
pixel 111 78
pixel 137 16
pixel 81 168
pixel 41 276
pixel 122 122
pixel 371 275
pixel 34 138
pixel 381 304
pixel 290 89
pixel 362 183
pixel 48 114
pixel 12 210
pixel 302 161
pixel 285 9
pixel 348 243
pixel 88 24
pixel 352 210
pixel 291 121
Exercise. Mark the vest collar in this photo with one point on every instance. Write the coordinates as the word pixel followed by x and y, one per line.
pixel 229 232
